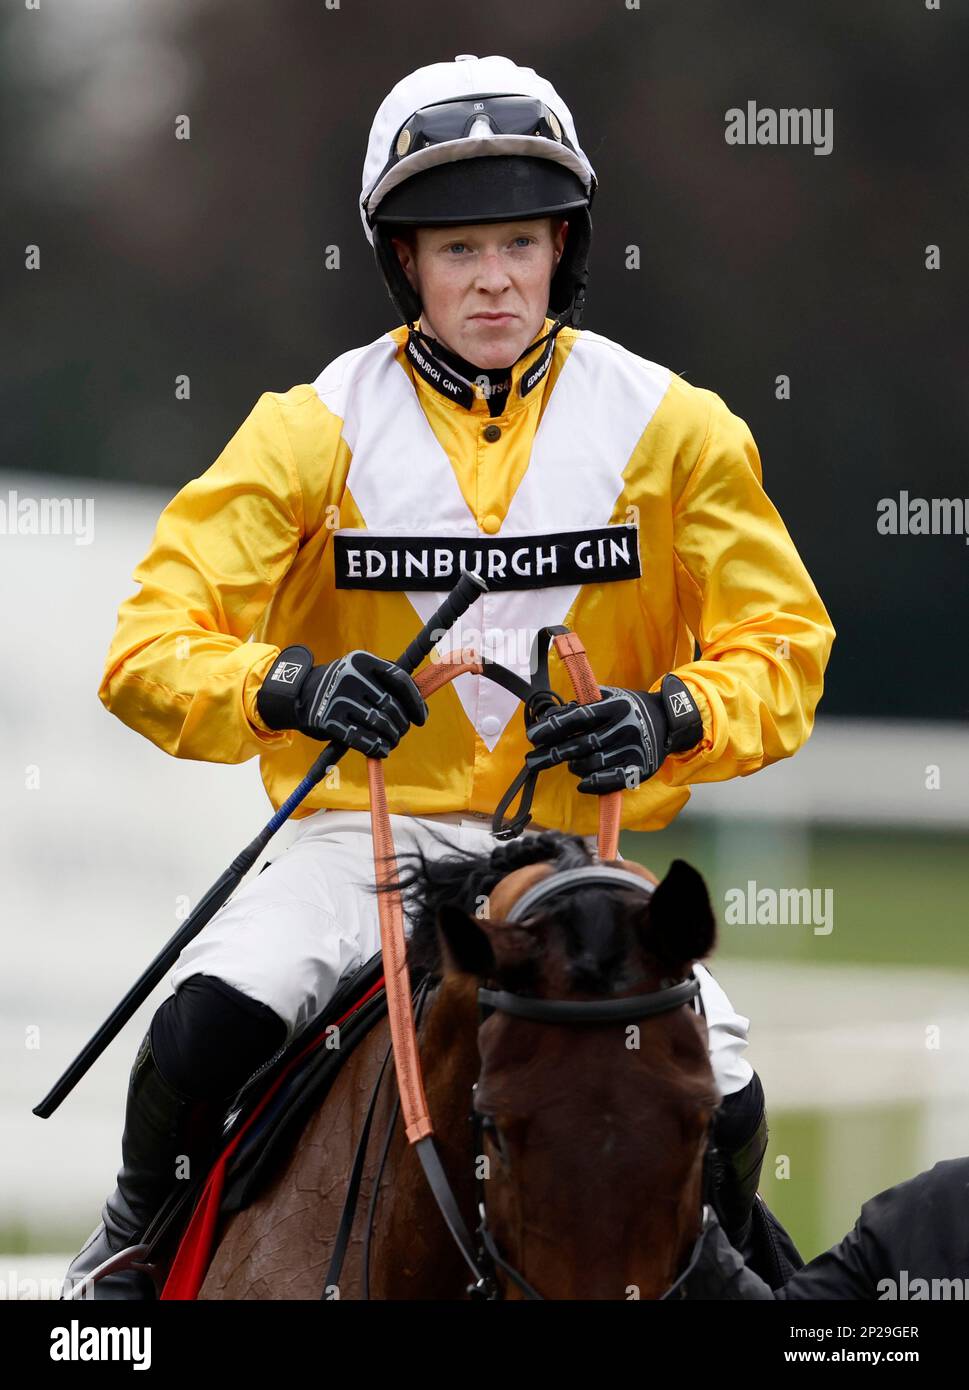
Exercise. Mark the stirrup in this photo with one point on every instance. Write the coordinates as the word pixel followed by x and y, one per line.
pixel 133 1257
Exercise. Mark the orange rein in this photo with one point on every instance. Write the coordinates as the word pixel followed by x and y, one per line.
pixel 410 1081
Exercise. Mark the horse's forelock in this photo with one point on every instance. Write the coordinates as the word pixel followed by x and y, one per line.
pixel 464 878
pixel 600 945
pixel 596 939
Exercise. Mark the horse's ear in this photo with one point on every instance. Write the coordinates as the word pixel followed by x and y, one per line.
pixel 465 945
pixel 478 946
pixel 680 926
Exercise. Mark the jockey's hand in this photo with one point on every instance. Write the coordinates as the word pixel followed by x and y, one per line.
pixel 619 741
pixel 360 699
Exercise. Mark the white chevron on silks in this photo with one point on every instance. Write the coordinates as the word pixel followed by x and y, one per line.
pixel 403 484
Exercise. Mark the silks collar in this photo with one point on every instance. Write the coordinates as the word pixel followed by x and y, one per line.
pixel 460 381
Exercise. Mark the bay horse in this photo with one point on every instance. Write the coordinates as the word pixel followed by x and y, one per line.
pixel 584 1143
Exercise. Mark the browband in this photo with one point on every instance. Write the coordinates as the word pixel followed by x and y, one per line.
pixel 566 878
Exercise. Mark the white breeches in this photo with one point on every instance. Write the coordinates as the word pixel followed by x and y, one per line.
pixel 291 934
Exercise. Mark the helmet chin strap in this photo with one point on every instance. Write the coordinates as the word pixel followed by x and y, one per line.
pixel 433 346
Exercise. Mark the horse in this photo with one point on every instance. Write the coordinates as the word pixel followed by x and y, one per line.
pixel 583 1144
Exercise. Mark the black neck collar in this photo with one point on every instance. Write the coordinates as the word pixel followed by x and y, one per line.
pixel 455 378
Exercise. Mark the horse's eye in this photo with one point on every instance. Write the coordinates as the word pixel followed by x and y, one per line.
pixel 490 1127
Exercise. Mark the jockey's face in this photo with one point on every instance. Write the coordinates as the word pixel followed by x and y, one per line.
pixel 484 286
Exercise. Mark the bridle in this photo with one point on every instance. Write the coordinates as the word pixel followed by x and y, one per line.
pixel 624 1010
pixel 514 896
pixel 533 884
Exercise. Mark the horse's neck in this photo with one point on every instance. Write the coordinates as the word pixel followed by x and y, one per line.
pixel 409 1228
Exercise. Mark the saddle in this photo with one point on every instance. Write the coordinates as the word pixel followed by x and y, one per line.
pixel 300 1080
pixel 262 1123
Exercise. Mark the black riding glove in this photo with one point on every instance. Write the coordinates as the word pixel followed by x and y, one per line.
pixel 360 699
pixel 619 741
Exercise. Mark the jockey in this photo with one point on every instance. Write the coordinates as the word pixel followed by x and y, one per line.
pixel 593 488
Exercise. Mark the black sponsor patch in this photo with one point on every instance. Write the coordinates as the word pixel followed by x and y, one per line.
pixel 531 377
pixel 452 385
pixel 601 555
pixel 433 370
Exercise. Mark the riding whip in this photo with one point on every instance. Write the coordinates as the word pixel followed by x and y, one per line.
pixel 468 588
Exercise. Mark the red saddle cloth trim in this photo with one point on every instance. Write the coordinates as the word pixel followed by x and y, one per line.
pixel 190 1265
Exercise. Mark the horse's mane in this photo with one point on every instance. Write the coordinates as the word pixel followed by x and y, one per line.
pixel 594 925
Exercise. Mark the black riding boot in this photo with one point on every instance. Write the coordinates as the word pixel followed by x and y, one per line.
pixel 740 1145
pixel 740 1139
pixel 203 1044
pixel 162 1129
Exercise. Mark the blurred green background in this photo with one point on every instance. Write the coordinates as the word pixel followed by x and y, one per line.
pixel 900 917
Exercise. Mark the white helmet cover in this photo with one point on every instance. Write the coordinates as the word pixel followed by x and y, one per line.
pixel 439 82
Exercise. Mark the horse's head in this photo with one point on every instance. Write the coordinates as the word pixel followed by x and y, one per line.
pixel 593 1132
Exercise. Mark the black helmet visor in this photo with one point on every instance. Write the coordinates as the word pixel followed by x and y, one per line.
pixel 501 188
